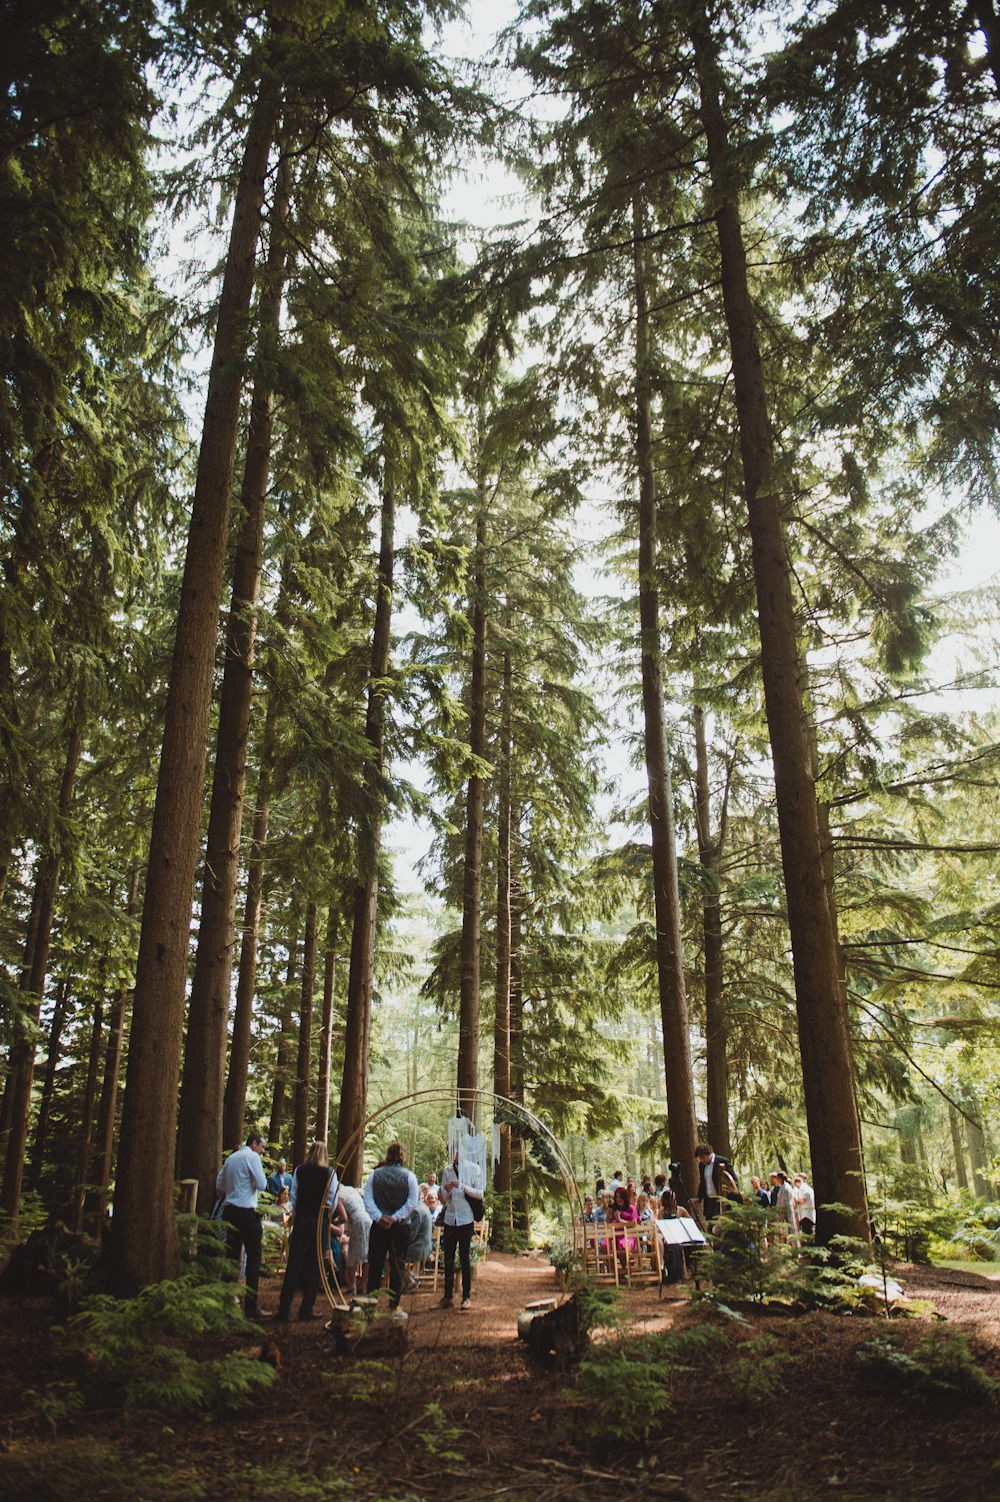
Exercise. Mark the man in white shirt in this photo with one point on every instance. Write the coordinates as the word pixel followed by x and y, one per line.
pixel 804 1202
pixel 237 1184
pixel 391 1195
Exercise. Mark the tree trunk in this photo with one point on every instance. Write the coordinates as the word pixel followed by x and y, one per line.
pixel 203 1084
pixel 53 1055
pixel 361 977
pixel 669 955
pixel 501 1015
pixel 472 877
pixel 977 1150
pixel 303 1064
pixel 107 1108
pixel 961 1175
pixel 36 964
pixel 87 1117
pixel 716 1021
pixel 283 1055
pixel 235 1102
pixel 520 1205
pixel 326 1027
pixel 145 1232
pixel 824 1036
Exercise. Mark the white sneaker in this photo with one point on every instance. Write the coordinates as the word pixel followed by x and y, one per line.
pixel 399 1315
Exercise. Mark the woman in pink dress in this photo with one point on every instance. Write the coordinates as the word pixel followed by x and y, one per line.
pixel 623 1212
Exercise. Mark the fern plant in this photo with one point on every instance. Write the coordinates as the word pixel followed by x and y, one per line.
pixel 626 1385
pixel 132 1353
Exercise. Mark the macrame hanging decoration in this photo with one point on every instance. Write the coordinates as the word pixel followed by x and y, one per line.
pixel 458 1130
pixel 466 1144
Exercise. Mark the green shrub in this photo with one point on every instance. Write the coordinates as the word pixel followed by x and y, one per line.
pixel 132 1354
pixel 941 1366
pixel 759 1370
pixel 977 1235
pixel 625 1385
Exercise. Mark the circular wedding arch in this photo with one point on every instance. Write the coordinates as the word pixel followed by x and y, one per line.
pixel 514 1114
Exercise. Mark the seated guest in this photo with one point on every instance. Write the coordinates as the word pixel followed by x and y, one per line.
pixel 421 1243
pixel 281 1211
pixel 623 1212
pixel 642 1205
pixel 280 1179
pixel 592 1214
pixel 430 1196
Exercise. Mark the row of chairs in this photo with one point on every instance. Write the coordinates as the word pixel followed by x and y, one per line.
pixel 622 1252
pixel 428 1272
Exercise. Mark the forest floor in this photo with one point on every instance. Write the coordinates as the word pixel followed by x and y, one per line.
pixel 463 1414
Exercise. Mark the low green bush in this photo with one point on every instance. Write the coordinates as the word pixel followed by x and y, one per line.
pixel 625 1384
pixel 130 1353
pixel 941 1366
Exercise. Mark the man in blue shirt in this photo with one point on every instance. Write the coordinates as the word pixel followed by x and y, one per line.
pixel 238 1183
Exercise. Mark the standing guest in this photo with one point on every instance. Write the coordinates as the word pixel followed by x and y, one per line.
pixel 359 1224
pixel 760 1192
pixel 617 1182
pixel 804 1203
pixel 280 1179
pixel 313 1192
pixel 237 1185
pixel 459 1223
pixel 784 1200
pixel 717 1182
pixel 391 1195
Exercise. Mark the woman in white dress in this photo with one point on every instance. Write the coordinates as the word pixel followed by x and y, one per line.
pixel 359 1223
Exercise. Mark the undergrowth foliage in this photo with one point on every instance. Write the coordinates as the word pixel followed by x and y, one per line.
pixel 130 1353
pixel 942 1366
pixel 625 1385
pixel 750 1263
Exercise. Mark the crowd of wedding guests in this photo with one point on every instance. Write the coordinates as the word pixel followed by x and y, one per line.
pixel 623 1199
pixel 357 1230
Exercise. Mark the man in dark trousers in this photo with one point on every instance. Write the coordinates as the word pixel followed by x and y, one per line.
pixel 239 1181
pixel 391 1195
pixel 716 1182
